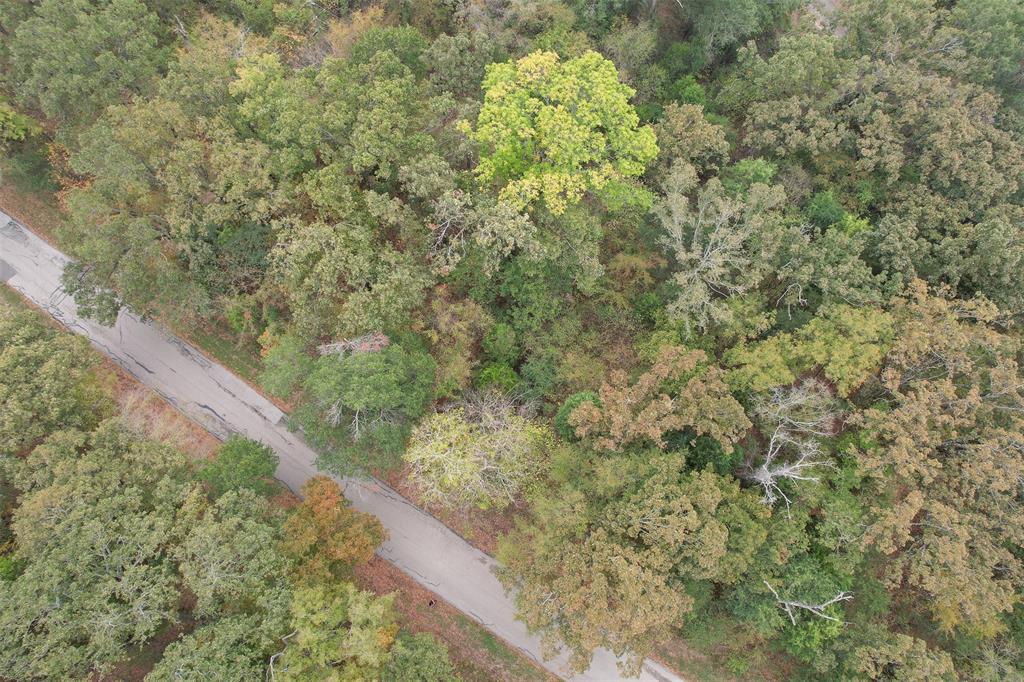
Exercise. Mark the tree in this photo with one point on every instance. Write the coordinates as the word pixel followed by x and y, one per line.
pixel 340 632
pixel 325 537
pixel 377 109
pixel 233 649
pixel 992 30
pixel 551 131
pixel 847 343
pixel 722 245
pixel 900 658
pixel 946 464
pixel 229 556
pixel 418 658
pixel 169 195
pixel 685 135
pixel 793 419
pixel 74 58
pixel 480 453
pixel 603 558
pixel 861 112
pixel 342 280
pixel 593 591
pixel 677 392
pixel 48 382
pixel 717 26
pixel 95 529
pixel 455 333
pixel 366 398
pixel 241 463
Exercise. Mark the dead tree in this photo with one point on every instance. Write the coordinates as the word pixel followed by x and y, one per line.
pixel 807 409
pixel 798 416
pixel 774 469
pixel 374 342
pixel 791 607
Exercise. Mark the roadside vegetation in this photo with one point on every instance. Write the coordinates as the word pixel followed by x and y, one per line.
pixel 702 316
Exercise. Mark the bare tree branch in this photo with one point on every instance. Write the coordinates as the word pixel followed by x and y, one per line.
pixel 790 607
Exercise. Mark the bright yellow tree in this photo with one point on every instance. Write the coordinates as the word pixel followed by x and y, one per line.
pixel 552 130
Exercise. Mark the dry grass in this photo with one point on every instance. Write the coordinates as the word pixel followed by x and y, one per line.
pixel 146 412
pixel 43 216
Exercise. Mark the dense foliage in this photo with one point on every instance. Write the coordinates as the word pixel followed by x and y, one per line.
pixel 720 299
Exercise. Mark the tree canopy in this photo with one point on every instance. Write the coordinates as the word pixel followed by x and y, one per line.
pixel 705 314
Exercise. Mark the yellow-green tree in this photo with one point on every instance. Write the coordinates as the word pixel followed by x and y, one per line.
pixel 482 453
pixel 552 130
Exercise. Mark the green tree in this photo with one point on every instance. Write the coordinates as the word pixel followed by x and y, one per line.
pixel 241 463
pixel 883 128
pixel 340 632
pixel 233 649
pixel 75 57
pixel 418 658
pixel 14 127
pixel 229 556
pixel 343 280
pixel 366 399
pixel 48 381
pixel 96 530
pixel 717 26
pixel 993 31
pixel 550 131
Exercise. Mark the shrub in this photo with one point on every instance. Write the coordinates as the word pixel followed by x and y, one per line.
pixel 682 58
pixel 738 177
pixel 500 345
pixel 687 90
pixel 241 463
pixel 497 375
pixel 824 209
pixel 562 426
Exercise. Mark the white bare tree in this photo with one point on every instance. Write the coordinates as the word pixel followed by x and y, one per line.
pixel 804 410
pixel 797 417
pixel 792 607
pixel 781 463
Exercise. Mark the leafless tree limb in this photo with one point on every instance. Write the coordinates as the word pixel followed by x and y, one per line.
pixel 791 607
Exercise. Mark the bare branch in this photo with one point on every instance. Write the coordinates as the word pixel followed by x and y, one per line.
pixel 374 342
pixel 790 607
pixel 771 471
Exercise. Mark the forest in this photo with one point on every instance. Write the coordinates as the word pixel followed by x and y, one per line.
pixel 716 302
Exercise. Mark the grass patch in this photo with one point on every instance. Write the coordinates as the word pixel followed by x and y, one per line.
pixel 718 648
pixel 240 356
pixel 479 636
pixel 9 298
